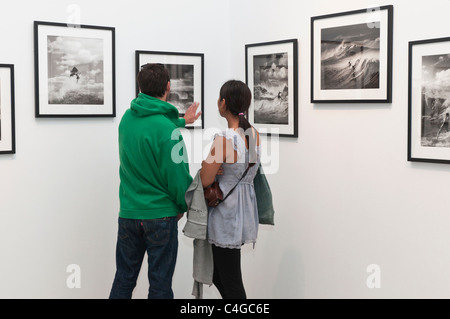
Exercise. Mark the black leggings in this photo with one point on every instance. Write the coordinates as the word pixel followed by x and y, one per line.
pixel 227 273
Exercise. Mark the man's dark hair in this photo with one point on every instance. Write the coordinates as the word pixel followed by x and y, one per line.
pixel 153 79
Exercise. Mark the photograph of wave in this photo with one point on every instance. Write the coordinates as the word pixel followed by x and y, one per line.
pixel 436 100
pixel 271 93
pixel 350 57
pixel 181 86
pixel 0 109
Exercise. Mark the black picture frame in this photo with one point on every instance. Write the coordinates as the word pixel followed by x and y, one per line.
pixel 357 71
pixel 184 68
pixel 7 110
pixel 283 76
pixel 429 101
pixel 75 73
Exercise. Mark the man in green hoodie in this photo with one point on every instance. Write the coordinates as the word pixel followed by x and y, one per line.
pixel 152 186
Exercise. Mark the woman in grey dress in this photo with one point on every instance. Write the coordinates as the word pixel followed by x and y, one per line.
pixel 234 222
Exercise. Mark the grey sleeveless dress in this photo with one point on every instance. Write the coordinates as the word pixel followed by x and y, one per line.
pixel 235 221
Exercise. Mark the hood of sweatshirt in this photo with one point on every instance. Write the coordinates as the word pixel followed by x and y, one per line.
pixel 145 105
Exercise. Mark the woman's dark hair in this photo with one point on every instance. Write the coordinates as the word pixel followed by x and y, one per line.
pixel 153 79
pixel 238 97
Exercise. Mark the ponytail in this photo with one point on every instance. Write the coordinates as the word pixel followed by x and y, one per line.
pixel 251 139
pixel 238 98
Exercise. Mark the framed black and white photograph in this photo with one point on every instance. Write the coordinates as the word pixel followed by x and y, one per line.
pixel 429 101
pixel 7 121
pixel 351 56
pixel 186 78
pixel 272 76
pixel 74 70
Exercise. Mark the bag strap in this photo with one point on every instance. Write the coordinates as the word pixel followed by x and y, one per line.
pixel 242 177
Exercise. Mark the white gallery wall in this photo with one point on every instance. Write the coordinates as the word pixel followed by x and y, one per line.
pixel 344 193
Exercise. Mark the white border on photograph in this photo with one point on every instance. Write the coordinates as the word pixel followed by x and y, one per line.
pixel 62 109
pixel 267 50
pixel 345 20
pixel 6 142
pixel 417 150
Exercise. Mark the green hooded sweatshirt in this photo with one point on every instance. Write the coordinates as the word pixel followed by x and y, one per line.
pixel 152 183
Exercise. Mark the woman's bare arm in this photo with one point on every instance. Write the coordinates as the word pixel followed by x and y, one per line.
pixel 222 151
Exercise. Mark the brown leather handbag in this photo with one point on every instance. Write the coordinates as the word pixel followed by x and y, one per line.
pixel 213 195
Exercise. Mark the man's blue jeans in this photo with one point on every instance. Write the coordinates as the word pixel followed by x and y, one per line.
pixel 157 237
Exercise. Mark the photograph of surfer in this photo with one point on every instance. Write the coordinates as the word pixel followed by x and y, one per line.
pixel 435 100
pixel 271 93
pixel 350 57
